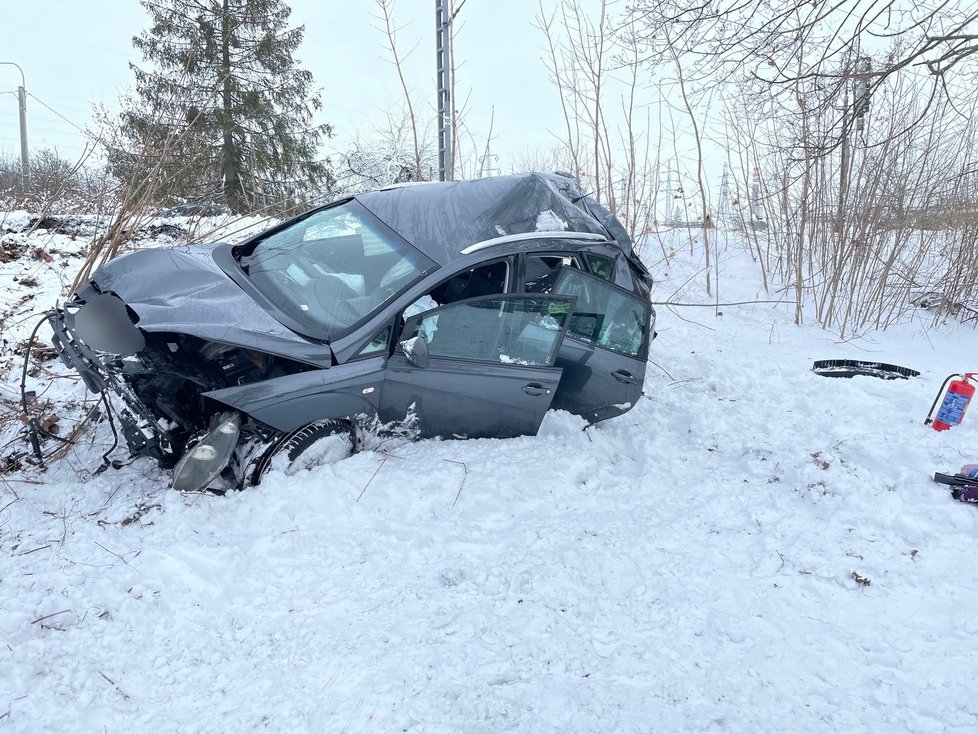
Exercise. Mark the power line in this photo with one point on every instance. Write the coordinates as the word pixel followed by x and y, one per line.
pixel 64 127
pixel 13 90
pixel 51 109
pixel 39 124
pixel 64 38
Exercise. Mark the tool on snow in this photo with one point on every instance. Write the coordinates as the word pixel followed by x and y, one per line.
pixel 964 485
pixel 957 394
pixel 965 494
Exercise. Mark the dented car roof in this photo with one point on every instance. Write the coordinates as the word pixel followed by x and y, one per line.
pixel 442 218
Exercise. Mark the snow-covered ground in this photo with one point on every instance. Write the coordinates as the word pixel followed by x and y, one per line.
pixel 687 567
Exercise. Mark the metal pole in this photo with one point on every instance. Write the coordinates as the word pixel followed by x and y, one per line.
pixel 844 146
pixel 443 58
pixel 22 103
pixel 24 159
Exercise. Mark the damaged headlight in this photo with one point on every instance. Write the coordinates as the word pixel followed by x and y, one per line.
pixel 202 463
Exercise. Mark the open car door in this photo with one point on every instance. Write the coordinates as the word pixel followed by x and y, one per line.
pixel 606 349
pixel 483 367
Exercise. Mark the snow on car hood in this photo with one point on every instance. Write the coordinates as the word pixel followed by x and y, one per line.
pixel 183 290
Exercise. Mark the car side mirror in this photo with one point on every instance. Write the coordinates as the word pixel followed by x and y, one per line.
pixel 415 351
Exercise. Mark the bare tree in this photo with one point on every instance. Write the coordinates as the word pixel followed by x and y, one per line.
pixel 865 237
pixel 606 150
pixel 388 155
pixel 732 35
pixel 846 124
pixel 384 16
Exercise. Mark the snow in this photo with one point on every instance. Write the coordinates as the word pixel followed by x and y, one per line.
pixel 409 347
pixel 688 566
pixel 16 221
pixel 548 221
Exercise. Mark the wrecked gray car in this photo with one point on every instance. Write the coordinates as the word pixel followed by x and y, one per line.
pixel 468 308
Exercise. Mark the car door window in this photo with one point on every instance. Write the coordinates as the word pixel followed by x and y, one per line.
pixel 605 315
pixel 520 330
pixel 540 271
pixel 481 280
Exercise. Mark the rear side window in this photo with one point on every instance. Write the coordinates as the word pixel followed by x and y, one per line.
pixel 603 267
pixel 605 315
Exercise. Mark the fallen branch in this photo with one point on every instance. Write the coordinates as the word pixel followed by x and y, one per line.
pixel 465 475
pixel 48 616
pixel 653 362
pixel 362 491
pixel 712 305
pixel 113 553
pixel 114 685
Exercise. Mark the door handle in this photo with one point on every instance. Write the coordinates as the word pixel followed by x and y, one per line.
pixel 535 388
pixel 625 376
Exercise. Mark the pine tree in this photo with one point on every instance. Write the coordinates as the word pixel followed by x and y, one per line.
pixel 222 110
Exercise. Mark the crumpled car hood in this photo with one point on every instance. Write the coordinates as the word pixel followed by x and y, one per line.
pixel 182 289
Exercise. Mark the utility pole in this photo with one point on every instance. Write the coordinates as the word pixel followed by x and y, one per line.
pixel 756 210
pixel 852 116
pixel 22 103
pixel 669 197
pixel 724 209
pixel 861 91
pixel 444 59
pixel 844 147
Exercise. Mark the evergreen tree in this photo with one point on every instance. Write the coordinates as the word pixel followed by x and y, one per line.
pixel 222 109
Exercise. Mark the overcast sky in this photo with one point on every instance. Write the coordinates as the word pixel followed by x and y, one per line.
pixel 75 53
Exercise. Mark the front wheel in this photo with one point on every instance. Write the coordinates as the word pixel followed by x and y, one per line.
pixel 320 442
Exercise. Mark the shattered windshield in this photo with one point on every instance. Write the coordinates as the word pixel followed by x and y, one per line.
pixel 330 270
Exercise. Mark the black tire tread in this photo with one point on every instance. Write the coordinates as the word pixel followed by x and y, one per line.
pixel 296 442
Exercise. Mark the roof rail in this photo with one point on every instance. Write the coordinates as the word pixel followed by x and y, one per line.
pixel 401 185
pixel 558 235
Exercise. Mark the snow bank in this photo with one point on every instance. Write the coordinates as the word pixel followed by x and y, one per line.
pixel 686 567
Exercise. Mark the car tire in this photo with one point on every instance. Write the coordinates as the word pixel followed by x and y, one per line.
pixel 320 442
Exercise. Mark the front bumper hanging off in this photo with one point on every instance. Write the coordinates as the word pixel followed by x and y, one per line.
pixel 74 332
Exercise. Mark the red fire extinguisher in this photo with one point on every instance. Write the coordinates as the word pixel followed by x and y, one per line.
pixel 956 398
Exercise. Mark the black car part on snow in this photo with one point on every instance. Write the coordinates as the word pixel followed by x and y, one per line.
pixel 854 367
